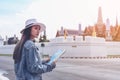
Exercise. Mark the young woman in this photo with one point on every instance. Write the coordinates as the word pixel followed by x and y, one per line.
pixel 27 62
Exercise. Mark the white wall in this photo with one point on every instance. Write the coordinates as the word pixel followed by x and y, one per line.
pixel 78 48
pixel 89 47
pixel 1 42
pixel 6 49
pixel 113 48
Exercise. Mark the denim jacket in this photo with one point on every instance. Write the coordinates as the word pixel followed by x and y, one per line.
pixel 31 66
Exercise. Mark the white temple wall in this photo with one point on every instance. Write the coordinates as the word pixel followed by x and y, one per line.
pixel 6 49
pixel 113 48
pixel 90 47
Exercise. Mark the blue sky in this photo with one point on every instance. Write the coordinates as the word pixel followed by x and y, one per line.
pixel 8 18
pixel 54 14
pixel 10 7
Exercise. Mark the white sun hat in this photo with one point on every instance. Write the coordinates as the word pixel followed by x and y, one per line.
pixel 31 22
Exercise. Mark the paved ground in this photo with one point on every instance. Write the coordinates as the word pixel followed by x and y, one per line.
pixel 6 63
pixel 74 69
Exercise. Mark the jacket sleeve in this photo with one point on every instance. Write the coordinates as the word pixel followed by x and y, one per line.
pixel 34 63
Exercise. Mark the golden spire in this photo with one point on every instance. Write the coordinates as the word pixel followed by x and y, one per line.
pixel 94 32
pixel 65 33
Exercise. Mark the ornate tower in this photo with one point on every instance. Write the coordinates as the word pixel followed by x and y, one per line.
pixel 108 36
pixel 100 27
pixel 116 22
pixel 116 34
pixel 99 19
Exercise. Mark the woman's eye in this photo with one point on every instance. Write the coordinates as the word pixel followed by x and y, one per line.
pixel 36 28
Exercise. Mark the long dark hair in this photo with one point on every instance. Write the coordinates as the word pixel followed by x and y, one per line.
pixel 19 46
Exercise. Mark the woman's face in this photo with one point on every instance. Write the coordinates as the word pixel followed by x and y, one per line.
pixel 35 30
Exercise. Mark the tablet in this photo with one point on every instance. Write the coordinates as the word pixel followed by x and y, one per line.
pixel 56 55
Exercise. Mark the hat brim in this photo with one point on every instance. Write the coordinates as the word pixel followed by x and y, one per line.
pixel 42 27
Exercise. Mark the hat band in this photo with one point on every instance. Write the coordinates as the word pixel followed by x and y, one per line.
pixel 29 25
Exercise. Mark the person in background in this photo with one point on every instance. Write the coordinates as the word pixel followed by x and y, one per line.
pixel 28 64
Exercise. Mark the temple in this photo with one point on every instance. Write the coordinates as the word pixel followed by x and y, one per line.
pixel 100 29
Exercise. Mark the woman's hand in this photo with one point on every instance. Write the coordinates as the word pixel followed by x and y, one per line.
pixel 45 60
pixel 53 64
